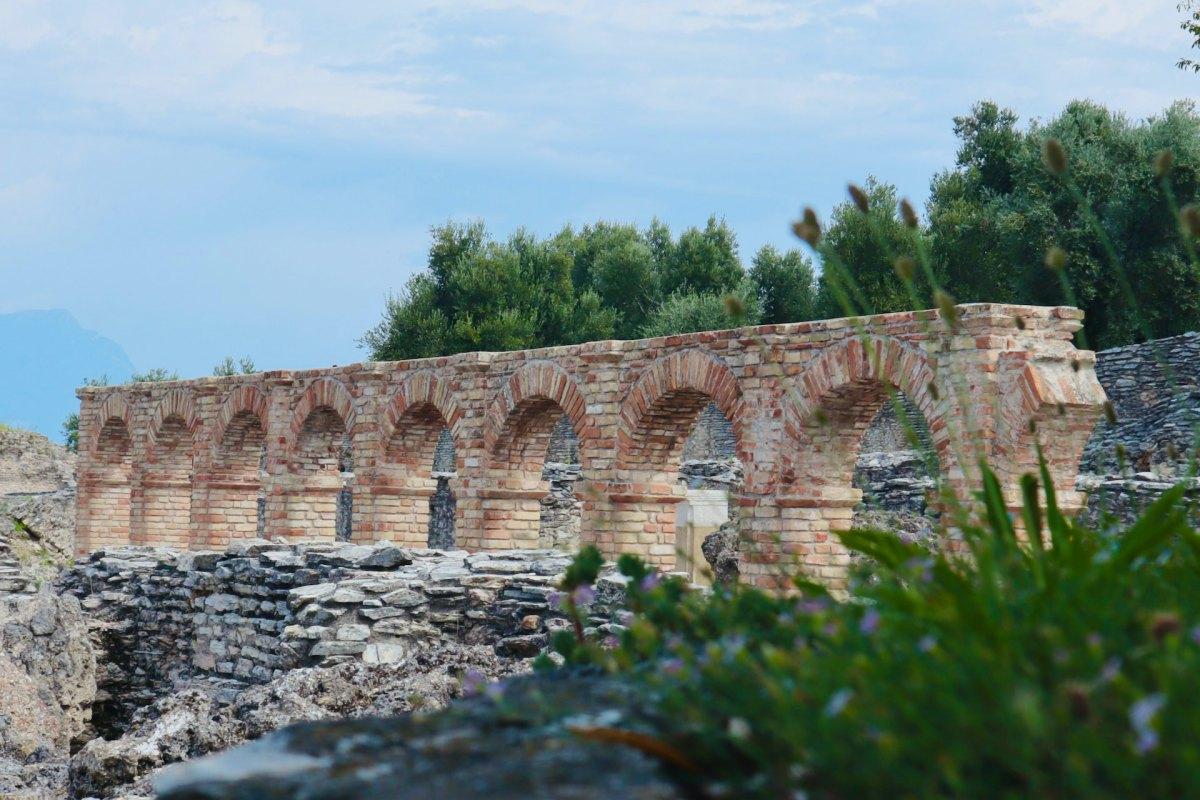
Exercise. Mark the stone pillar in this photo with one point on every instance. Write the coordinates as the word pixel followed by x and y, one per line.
pixel 701 513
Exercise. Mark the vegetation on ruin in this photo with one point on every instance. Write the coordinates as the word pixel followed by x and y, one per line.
pixel 1069 668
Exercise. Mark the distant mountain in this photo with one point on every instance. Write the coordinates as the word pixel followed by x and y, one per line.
pixel 44 356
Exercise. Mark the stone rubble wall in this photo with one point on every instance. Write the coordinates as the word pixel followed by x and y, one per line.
pixel 1155 392
pixel 162 618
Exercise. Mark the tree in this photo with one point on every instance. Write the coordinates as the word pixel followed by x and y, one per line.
pixel 866 247
pixel 993 218
pixel 784 285
pixel 1191 26
pixel 604 281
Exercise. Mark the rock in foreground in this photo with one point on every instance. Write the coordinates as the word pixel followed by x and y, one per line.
pixel 523 745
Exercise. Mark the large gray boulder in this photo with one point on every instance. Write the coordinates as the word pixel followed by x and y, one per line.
pixel 528 740
pixel 47 686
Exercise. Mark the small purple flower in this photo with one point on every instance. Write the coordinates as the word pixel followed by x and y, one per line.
pixel 650 581
pixel 1195 634
pixel 927 643
pixel 494 691
pixel 838 702
pixel 557 600
pixel 1141 717
pixel 611 642
pixel 672 666
pixel 869 622
pixel 1110 671
pixel 814 605
pixel 584 595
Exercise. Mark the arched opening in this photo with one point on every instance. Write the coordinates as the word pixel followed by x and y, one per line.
pixel 533 467
pixel 236 493
pixel 166 516
pixel 323 466
pixel 827 423
pixel 706 522
pixel 560 514
pixel 682 466
pixel 443 504
pixel 896 469
pixel 415 502
pixel 108 517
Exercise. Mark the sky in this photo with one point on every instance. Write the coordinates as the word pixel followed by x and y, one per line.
pixel 201 179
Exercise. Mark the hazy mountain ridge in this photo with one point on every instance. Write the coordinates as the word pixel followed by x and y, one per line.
pixel 44 356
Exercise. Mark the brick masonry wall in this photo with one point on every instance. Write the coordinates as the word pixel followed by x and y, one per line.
pixel 165 463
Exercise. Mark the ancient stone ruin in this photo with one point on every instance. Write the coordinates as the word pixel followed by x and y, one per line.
pixel 197 464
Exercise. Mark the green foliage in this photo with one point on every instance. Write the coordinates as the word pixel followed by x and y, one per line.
pixel 993 218
pixel 867 246
pixel 154 375
pixel 684 312
pixel 70 426
pixel 1191 26
pixel 603 281
pixel 1065 668
pixel 784 284
pixel 228 367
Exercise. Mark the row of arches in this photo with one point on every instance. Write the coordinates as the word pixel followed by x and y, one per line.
pixel 314 486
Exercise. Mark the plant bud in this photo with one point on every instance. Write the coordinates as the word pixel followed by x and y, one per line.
pixel 933 390
pixel 1061 408
pixel 1056 258
pixel 1020 323
pixel 1078 700
pixel 1054 156
pixel 1110 412
pixel 1163 163
pixel 734 307
pixel 859 197
pixel 905 268
pixel 1189 219
pixel 908 214
pixel 945 304
pixel 808 229
pixel 1163 625
pixel 1075 365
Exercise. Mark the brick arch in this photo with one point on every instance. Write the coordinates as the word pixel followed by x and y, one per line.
pixel 530 391
pixel 840 391
pixel 175 403
pixel 662 406
pixel 243 399
pixel 323 393
pixel 115 407
pixel 421 389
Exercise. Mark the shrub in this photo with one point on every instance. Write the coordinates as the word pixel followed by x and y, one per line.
pixel 1064 668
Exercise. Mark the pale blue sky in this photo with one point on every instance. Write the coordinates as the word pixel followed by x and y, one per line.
pixel 194 179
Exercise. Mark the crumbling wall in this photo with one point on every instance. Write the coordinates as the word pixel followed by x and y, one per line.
pixel 162 618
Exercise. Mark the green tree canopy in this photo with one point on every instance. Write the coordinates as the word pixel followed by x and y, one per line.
pixel 994 216
pixel 603 281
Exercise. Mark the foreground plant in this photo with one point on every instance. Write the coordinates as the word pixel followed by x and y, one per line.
pixel 1060 665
